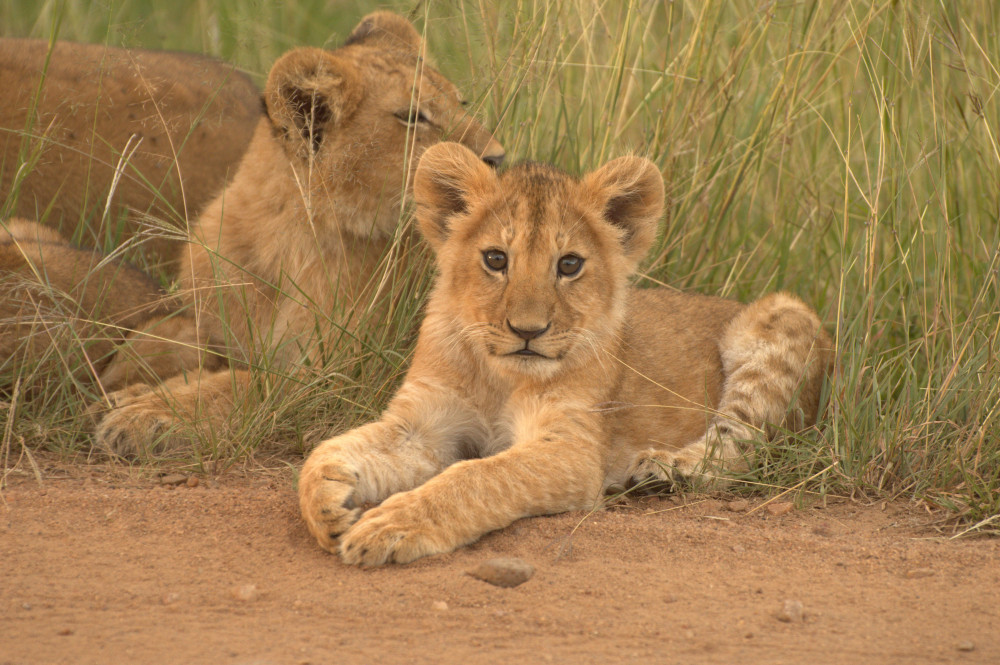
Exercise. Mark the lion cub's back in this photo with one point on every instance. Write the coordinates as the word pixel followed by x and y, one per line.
pixel 673 376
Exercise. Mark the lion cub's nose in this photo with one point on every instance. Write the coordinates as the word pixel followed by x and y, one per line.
pixel 527 334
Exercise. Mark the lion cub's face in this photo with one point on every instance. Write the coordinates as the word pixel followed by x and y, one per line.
pixel 354 121
pixel 533 262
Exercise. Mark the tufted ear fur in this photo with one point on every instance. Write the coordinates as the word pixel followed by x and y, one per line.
pixel 386 30
pixel 309 92
pixel 629 192
pixel 449 176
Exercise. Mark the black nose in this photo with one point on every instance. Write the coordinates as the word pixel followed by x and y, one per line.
pixel 527 334
pixel 494 160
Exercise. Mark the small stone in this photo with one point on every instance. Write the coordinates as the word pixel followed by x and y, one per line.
pixel 917 573
pixel 245 592
pixel 965 645
pixel 65 631
pixel 173 479
pixel 192 481
pixel 170 598
pixel 503 572
pixel 738 506
pixel 440 605
pixel 791 612
pixel 779 509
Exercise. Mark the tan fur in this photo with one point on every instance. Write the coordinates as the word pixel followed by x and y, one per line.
pixel 59 301
pixel 166 117
pixel 293 248
pixel 626 384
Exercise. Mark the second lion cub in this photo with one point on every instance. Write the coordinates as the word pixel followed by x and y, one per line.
pixel 541 376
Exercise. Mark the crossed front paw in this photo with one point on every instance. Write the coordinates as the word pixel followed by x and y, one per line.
pixel 326 497
pixel 394 532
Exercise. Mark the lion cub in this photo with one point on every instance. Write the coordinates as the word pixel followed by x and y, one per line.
pixel 541 376
pixel 303 240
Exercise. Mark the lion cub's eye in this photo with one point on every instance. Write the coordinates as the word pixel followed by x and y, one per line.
pixel 495 259
pixel 411 116
pixel 569 265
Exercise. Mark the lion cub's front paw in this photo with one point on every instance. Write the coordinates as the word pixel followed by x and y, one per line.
pixel 139 424
pixel 395 532
pixel 326 497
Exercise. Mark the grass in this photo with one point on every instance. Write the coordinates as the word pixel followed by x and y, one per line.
pixel 845 151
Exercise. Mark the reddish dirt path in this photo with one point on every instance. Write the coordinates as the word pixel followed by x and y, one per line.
pixel 101 568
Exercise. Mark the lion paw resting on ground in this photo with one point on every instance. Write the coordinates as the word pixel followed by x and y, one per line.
pixel 541 377
pixel 298 244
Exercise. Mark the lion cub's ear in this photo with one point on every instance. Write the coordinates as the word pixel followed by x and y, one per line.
pixel 308 92
pixel 629 193
pixel 449 176
pixel 387 30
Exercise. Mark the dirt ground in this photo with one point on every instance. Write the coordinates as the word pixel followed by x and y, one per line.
pixel 107 566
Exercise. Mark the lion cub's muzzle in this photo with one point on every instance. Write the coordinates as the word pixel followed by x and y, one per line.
pixel 528 333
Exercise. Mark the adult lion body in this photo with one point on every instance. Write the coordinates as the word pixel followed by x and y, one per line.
pixel 541 377
pixel 299 244
pixel 96 127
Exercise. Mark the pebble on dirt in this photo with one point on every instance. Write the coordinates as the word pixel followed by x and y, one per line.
pixel 503 572
pixel 738 506
pixel 173 479
pixel 917 573
pixel 966 646
pixel 245 592
pixel 780 508
pixel 791 612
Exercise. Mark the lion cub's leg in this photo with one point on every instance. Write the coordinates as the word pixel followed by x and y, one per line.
pixel 556 463
pixel 160 349
pixel 774 356
pixel 420 434
pixel 147 420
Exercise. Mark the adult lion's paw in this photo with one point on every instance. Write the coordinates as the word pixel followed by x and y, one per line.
pixel 326 498
pixel 394 532
pixel 139 424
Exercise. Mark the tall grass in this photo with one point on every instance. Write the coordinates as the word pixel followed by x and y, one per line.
pixel 845 151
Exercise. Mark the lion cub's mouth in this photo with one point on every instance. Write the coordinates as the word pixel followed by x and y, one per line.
pixel 528 353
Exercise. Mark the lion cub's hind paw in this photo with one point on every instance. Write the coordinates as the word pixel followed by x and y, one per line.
pixel 657 471
pixel 656 475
